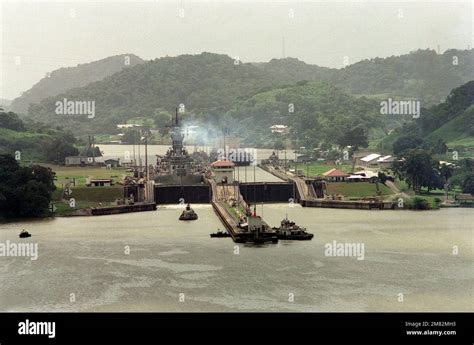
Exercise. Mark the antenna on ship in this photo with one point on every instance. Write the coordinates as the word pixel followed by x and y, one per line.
pixel 176 116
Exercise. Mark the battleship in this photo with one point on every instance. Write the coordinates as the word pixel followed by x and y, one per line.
pixel 177 166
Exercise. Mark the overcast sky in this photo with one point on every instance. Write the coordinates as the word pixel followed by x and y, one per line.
pixel 49 35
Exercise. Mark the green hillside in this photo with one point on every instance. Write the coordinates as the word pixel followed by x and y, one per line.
pixel 214 87
pixel 457 132
pixel 321 112
pixel 422 74
pixel 68 78
pixel 451 122
pixel 205 84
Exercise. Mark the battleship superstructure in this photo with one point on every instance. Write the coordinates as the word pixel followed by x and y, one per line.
pixel 177 166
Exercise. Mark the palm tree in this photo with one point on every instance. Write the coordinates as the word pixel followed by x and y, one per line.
pixel 446 171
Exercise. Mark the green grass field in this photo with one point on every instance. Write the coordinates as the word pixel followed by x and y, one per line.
pixel 317 168
pixel 357 189
pixel 86 197
pixel 97 194
pixel 432 197
pixel 65 174
pixel 9 134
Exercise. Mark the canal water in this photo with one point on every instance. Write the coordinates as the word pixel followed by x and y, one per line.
pixel 152 262
pixel 126 151
pixel 243 173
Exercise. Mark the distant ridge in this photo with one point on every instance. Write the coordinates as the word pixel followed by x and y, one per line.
pixel 64 79
pixel 212 86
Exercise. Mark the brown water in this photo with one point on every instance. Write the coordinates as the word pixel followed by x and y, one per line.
pixel 405 252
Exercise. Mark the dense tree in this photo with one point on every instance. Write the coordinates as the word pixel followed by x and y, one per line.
pixel 463 175
pixel 438 147
pixel 92 152
pixel 161 118
pixel 24 191
pixel 418 169
pixel 354 137
pixel 407 142
pixel 131 136
pixel 61 147
pixel 11 121
pixel 468 184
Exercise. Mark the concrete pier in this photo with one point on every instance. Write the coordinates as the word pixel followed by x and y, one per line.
pixel 220 196
pixel 308 196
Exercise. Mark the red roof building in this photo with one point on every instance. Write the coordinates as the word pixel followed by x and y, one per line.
pixel 335 175
pixel 222 164
pixel 223 171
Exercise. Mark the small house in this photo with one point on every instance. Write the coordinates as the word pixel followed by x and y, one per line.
pixel 106 182
pixel 77 160
pixel 335 175
pixel 385 162
pixel 113 163
pixel 223 171
pixel 369 160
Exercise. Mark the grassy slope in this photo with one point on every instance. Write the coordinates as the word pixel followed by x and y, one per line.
pixel 455 131
pixel 24 142
pixel 65 174
pixel 86 196
pixel 317 169
pixel 356 189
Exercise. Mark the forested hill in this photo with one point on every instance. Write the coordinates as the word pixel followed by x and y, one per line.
pixel 451 121
pixel 422 74
pixel 320 114
pixel 212 84
pixel 64 79
pixel 204 84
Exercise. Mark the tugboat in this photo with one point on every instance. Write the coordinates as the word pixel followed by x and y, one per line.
pixel 188 214
pixel 24 234
pixel 220 233
pixel 290 231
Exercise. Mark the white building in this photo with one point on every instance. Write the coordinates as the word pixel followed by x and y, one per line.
pixel 279 129
pixel 223 171
pixel 369 159
pixel 128 125
pixel 385 161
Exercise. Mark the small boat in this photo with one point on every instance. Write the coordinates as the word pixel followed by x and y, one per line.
pixel 24 234
pixel 288 230
pixel 188 214
pixel 220 233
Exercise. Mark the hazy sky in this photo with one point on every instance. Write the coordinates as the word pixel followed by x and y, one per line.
pixel 38 37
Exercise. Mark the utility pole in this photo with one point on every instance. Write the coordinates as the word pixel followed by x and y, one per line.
pixel 93 151
pixel 296 165
pixel 225 148
pixel 139 154
pixel 133 147
pixel 146 157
